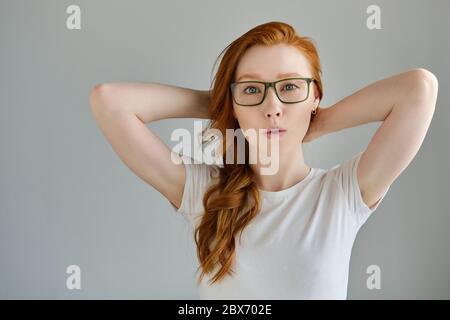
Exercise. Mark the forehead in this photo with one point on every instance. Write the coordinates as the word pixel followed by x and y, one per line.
pixel 267 63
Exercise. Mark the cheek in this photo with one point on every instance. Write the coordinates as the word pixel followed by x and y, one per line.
pixel 298 117
pixel 246 118
pixel 298 123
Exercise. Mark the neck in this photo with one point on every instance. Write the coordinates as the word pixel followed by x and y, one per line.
pixel 291 170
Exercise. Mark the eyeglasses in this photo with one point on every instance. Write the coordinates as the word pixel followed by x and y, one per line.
pixel 291 90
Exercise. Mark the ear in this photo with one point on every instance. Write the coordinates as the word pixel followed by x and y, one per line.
pixel 317 101
pixel 316 97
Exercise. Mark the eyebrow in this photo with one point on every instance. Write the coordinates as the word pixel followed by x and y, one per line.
pixel 256 76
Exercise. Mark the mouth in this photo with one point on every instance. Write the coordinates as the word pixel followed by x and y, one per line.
pixel 275 132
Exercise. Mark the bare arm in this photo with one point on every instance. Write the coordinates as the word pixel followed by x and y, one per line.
pixel 122 110
pixel 155 101
pixel 405 104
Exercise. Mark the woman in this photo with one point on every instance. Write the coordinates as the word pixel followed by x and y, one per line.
pixel 289 234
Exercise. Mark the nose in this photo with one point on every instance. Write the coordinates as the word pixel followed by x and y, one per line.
pixel 273 104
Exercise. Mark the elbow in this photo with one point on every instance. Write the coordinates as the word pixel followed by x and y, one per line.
pixel 95 95
pixel 425 82
pixel 99 95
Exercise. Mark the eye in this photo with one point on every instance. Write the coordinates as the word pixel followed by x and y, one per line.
pixel 245 90
pixel 291 84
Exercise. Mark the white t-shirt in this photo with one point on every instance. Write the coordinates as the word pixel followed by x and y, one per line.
pixel 299 245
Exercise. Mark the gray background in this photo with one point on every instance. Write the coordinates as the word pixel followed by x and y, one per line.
pixel 66 198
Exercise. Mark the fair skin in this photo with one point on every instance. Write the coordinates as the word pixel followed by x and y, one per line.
pixel 288 62
pixel 404 103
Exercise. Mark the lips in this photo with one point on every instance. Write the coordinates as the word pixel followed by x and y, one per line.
pixel 274 130
pixel 277 132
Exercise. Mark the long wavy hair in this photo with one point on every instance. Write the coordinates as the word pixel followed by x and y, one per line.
pixel 234 201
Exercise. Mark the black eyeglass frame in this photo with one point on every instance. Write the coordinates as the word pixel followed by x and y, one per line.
pixel 270 84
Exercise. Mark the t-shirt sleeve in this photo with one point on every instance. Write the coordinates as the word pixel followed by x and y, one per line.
pixel 198 179
pixel 345 175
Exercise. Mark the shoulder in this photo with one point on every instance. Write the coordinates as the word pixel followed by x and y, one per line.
pixel 199 172
pixel 199 177
pixel 344 177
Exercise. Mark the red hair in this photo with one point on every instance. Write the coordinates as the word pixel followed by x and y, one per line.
pixel 234 201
